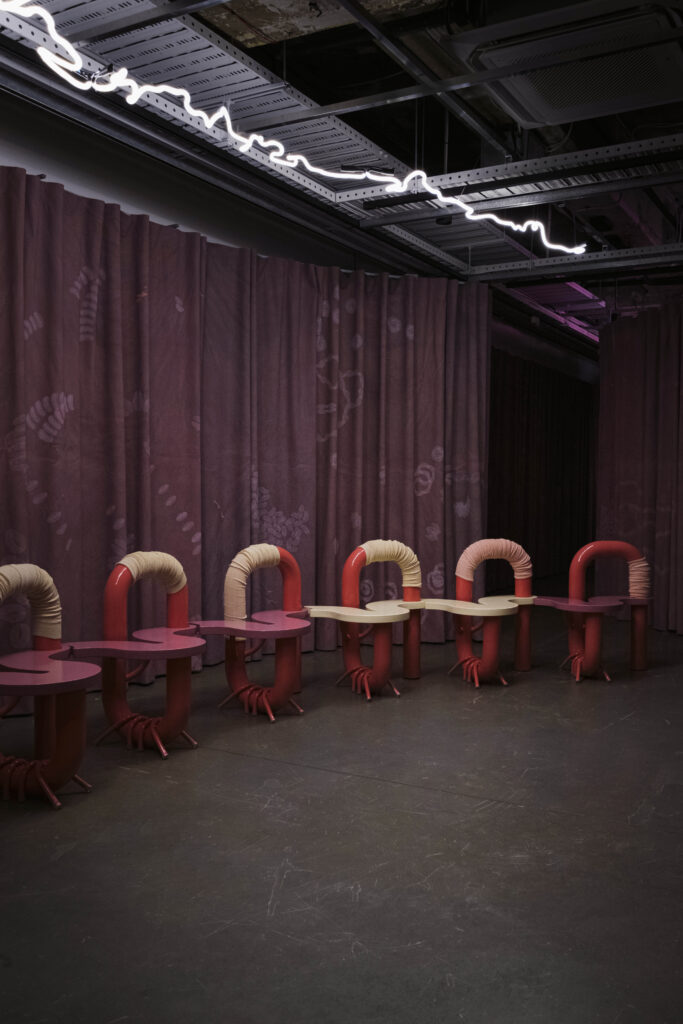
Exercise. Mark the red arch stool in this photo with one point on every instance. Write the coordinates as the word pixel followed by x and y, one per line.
pixel 58 689
pixel 378 616
pixel 487 666
pixel 585 617
pixel 142 730
pixel 284 625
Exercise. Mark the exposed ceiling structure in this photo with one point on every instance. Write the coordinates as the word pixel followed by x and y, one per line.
pixel 572 117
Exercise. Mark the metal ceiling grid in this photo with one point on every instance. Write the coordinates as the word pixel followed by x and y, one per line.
pixel 78 15
pixel 544 168
pixel 640 257
pixel 185 53
pixel 167 107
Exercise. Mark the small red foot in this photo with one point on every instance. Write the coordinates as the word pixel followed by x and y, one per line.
pixel 233 693
pixel 267 707
pixel 157 741
pixel 113 728
pixel 85 786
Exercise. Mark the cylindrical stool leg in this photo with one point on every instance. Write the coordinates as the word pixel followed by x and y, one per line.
pixel 490 655
pixel 592 660
pixel 43 726
pixel 411 645
pixel 638 637
pixel 523 639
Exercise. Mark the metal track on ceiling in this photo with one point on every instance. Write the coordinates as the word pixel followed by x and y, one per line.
pixel 182 51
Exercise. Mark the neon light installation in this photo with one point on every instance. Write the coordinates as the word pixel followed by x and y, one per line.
pixel 69 66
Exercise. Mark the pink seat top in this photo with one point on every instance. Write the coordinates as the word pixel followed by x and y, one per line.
pixel 38 673
pixel 596 605
pixel 264 625
pixel 158 642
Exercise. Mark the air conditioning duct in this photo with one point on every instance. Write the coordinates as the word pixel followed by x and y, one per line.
pixel 637 78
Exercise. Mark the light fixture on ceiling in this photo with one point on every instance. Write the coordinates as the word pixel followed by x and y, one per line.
pixel 69 66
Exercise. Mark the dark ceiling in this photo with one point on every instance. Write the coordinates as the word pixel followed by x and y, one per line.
pixel 586 135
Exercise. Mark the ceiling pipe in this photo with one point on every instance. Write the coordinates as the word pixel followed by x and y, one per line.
pixel 421 73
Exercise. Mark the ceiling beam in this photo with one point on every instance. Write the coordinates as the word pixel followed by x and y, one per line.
pixel 546 168
pixel 142 131
pixel 558 267
pixel 105 28
pixel 457 83
pixel 542 198
pixel 406 59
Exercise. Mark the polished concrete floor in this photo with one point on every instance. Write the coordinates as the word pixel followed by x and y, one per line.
pixel 491 856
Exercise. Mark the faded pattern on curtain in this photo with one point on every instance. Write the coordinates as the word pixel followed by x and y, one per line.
pixel 640 453
pixel 100 325
pixel 163 392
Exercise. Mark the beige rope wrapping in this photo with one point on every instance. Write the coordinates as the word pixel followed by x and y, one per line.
pixel 40 589
pixel 164 567
pixel 256 556
pixel 395 551
pixel 498 547
pixel 639 578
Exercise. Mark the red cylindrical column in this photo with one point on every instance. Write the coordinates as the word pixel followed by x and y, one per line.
pixel 59 718
pixel 364 679
pixel 578 624
pixel 412 636
pixel 464 591
pixel 287 680
pixel 522 662
pixel 486 667
pixel 638 637
pixel 592 659
pixel 148 732
pixel 44 707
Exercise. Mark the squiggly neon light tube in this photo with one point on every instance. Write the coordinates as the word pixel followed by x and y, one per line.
pixel 69 66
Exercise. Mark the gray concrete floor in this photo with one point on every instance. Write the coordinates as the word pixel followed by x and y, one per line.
pixel 456 855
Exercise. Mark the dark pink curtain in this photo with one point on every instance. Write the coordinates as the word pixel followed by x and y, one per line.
pixel 402 369
pixel 640 452
pixel 100 331
pixel 161 392
pixel 541 465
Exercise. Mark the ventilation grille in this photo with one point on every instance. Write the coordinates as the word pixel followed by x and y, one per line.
pixel 593 88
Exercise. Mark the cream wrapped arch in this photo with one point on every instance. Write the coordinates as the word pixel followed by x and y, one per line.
pixel 39 587
pixel 639 578
pixel 164 567
pixel 395 551
pixel 256 556
pixel 494 547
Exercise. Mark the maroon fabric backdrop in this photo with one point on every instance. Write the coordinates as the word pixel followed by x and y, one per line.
pixel 161 392
pixel 541 465
pixel 640 453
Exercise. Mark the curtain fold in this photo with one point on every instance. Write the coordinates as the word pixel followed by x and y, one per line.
pixel 541 465
pixel 162 392
pixel 640 453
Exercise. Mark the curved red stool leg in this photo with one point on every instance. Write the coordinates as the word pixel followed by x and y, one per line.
pixel 486 667
pixel 366 680
pixel 253 697
pixel 140 730
pixel 585 629
pixel 58 690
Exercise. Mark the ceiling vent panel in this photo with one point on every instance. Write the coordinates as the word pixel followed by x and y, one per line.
pixel 588 88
